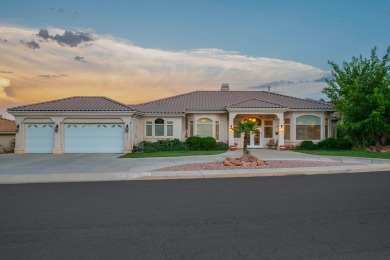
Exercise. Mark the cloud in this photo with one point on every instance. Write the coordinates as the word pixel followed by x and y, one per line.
pixel 54 76
pixel 61 10
pixel 305 88
pixel 31 44
pixel 133 74
pixel 79 58
pixel 5 88
pixel 5 72
pixel 68 38
pixel 3 40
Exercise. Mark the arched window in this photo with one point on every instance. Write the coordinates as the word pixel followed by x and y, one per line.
pixel 159 127
pixel 204 127
pixel 308 128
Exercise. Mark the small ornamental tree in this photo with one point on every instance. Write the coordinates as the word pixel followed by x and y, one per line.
pixel 360 91
pixel 245 128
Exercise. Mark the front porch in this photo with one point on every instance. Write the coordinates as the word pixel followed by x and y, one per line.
pixel 269 127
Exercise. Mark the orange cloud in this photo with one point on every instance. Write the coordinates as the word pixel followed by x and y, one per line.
pixel 112 67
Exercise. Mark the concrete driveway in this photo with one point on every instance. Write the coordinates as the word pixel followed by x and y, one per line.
pixel 110 163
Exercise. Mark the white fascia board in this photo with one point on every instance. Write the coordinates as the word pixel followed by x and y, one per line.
pixel 312 110
pixel 70 113
pixel 249 110
pixel 207 112
pixel 160 114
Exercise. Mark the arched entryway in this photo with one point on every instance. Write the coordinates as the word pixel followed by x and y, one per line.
pixel 256 138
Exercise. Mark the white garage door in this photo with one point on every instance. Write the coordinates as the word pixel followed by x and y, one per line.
pixel 94 138
pixel 39 138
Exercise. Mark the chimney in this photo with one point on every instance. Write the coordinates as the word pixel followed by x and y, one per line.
pixel 269 90
pixel 225 87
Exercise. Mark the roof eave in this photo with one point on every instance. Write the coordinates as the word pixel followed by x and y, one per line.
pixel 205 111
pixel 279 109
pixel 313 109
pixel 161 114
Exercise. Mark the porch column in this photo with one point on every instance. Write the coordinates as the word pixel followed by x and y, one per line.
pixel 281 133
pixel 231 133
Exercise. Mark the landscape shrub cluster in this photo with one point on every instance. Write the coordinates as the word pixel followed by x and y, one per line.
pixel 195 143
pixel 327 144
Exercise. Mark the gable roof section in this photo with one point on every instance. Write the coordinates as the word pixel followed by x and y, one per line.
pixel 81 103
pixel 254 103
pixel 220 100
pixel 7 126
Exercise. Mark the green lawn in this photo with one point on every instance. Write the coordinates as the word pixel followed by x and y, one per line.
pixel 170 154
pixel 352 153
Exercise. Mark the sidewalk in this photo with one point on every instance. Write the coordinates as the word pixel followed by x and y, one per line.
pixel 17 169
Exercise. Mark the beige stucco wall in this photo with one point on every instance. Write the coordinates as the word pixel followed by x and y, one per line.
pixel 140 130
pixel 5 140
pixel 222 118
pixel 62 118
pixel 293 116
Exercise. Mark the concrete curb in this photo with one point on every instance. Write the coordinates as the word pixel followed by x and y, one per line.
pixel 262 172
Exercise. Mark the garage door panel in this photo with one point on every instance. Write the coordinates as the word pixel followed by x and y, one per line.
pixel 39 138
pixel 94 138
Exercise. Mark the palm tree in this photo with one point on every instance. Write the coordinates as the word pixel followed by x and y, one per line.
pixel 245 128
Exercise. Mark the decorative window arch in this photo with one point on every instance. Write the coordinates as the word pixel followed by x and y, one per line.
pixel 308 127
pixel 159 127
pixel 204 127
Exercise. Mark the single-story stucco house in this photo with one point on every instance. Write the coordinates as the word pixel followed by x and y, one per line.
pixel 7 133
pixel 102 125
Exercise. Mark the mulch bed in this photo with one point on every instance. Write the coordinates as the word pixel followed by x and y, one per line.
pixel 272 164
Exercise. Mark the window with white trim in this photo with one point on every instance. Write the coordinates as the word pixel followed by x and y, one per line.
pixel 287 129
pixel 204 127
pixel 217 130
pixel 308 128
pixel 268 128
pixel 191 128
pixel 326 127
pixel 159 128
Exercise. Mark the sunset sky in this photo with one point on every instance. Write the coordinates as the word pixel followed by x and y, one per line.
pixel 136 51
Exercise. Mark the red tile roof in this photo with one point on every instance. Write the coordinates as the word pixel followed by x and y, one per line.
pixel 76 104
pixel 7 126
pixel 255 103
pixel 220 100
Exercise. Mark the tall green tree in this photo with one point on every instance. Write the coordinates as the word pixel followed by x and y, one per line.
pixel 245 128
pixel 360 91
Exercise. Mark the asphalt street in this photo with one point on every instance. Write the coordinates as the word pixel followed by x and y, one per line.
pixel 341 216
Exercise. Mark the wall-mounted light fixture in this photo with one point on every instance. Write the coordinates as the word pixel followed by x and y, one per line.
pixel 231 130
pixel 127 129
pixel 281 128
pixel 17 128
pixel 56 129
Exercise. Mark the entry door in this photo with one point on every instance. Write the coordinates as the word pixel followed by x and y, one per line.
pixel 39 138
pixel 255 140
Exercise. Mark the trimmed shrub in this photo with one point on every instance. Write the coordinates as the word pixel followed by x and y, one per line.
pixel 208 143
pixel 221 146
pixel 194 143
pixel 334 144
pixel 160 145
pixel 307 145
